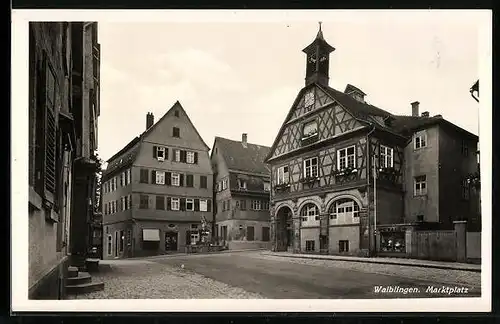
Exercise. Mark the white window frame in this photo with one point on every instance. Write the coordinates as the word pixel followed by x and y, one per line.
pixel 422 138
pixel 160 177
pixel 242 184
pixel 160 149
pixel 346 157
pixel 283 177
pixel 190 200
pixel 311 171
pixel 122 203
pixel 225 183
pixel 190 157
pixel 175 204
pixel 128 178
pixel 176 179
pixel 203 205
pixel 312 215
pixel 417 186
pixel 267 186
pixel 311 133
pixel 386 157
pixel 177 155
pixel 344 212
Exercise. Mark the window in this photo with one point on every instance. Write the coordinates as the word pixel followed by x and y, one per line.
pixel 386 157
pixel 309 246
pixel 127 177
pixel 203 205
pixel 110 242
pixel 265 234
pixel 267 186
pixel 144 176
pixel 176 113
pixel 122 203
pixel 311 168
pixel 105 209
pixel 190 157
pixel 420 140
pixel 203 182
pixel 122 179
pixel 160 153
pixel 176 132
pixel 310 214
pixel 189 204
pixel 343 246
pixel 160 177
pixel 346 158
pixel 122 241
pixel 310 129
pixel 176 179
pixel 265 205
pixel 242 184
pixel 420 185
pixel 177 155
pixel 283 175
pixel 225 183
pixel 344 211
pixel 189 180
pixel 175 203
pixel 144 202
pixel 256 205
pixel 160 203
pixel 243 204
pixel 465 149
pixel 465 189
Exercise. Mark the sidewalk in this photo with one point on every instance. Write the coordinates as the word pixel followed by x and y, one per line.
pixel 395 261
pixel 177 254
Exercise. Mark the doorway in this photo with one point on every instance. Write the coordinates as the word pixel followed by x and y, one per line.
pixel 171 241
pixel 284 229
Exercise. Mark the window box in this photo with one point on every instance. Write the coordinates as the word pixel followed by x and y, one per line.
pixel 282 186
pixel 309 179
pixel 345 172
pixel 309 139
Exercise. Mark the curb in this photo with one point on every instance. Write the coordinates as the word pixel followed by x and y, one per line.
pixel 188 254
pixel 418 265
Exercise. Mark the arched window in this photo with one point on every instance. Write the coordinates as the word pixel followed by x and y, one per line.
pixel 344 211
pixel 309 214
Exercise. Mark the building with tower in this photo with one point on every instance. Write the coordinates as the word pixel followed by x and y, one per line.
pixel 157 190
pixel 350 178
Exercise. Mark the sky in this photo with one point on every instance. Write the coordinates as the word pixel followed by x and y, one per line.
pixel 243 77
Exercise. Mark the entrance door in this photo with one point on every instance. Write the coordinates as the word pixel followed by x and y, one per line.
pixel 171 241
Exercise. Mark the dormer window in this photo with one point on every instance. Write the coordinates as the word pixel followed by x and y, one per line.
pixel 310 129
pixel 242 184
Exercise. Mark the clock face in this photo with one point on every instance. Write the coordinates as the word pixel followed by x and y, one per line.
pixel 322 58
pixel 309 98
pixel 312 59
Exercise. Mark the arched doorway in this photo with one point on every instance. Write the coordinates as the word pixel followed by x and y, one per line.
pixel 284 229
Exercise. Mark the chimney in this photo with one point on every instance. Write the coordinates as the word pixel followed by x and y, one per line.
pixel 150 120
pixel 425 114
pixel 244 139
pixel 414 108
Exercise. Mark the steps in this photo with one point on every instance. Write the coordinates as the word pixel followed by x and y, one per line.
pixel 80 282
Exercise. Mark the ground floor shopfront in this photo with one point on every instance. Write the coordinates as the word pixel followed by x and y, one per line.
pixel 240 234
pixel 147 238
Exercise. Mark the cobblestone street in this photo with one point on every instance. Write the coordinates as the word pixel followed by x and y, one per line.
pixel 259 275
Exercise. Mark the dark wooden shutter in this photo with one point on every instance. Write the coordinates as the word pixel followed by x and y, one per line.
pixel 203 182
pixel 155 150
pixel 50 128
pixel 181 180
pixel 188 237
pixel 169 203
pixel 166 153
pixel 209 205
pixel 196 204
pixel 153 176
pixel 195 157
pixel 183 204
pixel 168 178
pixel 183 156
pixel 189 180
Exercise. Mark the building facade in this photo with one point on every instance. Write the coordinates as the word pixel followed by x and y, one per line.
pixel 63 113
pixel 242 192
pixel 349 178
pixel 157 189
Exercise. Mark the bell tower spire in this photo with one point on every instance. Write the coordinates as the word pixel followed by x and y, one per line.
pixel 318 59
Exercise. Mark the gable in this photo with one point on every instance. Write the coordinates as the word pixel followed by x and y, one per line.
pixel 162 131
pixel 332 120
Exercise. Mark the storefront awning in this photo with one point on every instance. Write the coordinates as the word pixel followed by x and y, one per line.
pixel 151 235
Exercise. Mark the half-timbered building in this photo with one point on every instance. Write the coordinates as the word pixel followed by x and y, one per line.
pixel 323 197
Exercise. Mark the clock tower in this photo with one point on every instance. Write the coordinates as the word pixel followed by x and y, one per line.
pixel 318 57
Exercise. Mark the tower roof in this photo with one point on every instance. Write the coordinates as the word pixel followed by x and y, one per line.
pixel 319 41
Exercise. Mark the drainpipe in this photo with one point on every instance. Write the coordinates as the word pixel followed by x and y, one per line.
pixel 368 188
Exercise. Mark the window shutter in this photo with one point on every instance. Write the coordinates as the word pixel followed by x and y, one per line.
pixel 196 205
pixel 166 153
pixel 183 156
pixel 153 176
pixel 169 203
pixel 155 151
pixel 168 178
pixel 209 205
pixel 243 205
pixel 195 157
pixel 181 180
pixel 50 128
pixel 188 237
pixel 183 204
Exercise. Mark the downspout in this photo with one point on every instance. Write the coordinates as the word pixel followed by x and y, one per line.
pixel 369 166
